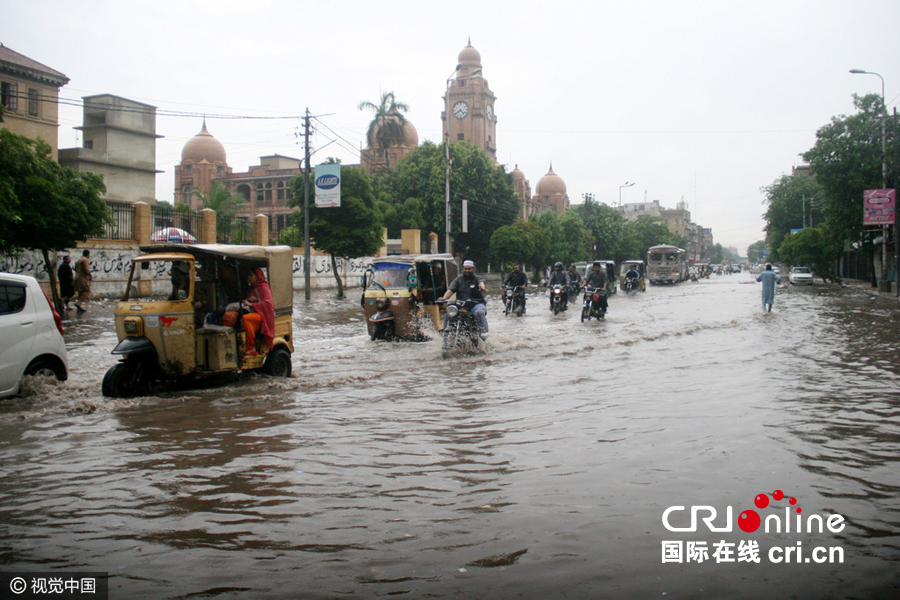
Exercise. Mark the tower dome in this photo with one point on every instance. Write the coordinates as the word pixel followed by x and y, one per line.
pixel 203 146
pixel 469 57
pixel 412 136
pixel 517 173
pixel 550 184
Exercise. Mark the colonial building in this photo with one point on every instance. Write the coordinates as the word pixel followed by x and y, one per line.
pixel 468 113
pixel 374 158
pixel 203 159
pixel 551 192
pixel 29 92
pixel 119 144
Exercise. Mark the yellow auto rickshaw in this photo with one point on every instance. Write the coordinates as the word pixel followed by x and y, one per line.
pixel 399 294
pixel 182 315
pixel 640 267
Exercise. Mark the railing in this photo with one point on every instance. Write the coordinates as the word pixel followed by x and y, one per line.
pixel 234 230
pixel 165 219
pixel 123 218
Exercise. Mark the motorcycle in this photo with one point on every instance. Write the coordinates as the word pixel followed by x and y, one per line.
pixel 632 285
pixel 383 321
pixel 558 298
pixel 461 329
pixel 514 300
pixel 593 305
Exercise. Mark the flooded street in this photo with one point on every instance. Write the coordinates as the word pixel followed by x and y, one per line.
pixel 540 468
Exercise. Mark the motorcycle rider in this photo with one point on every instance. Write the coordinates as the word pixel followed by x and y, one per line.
pixel 574 278
pixel 469 286
pixel 597 280
pixel 517 279
pixel 634 274
pixel 560 277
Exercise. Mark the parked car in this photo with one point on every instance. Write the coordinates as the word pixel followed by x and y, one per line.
pixel 31 334
pixel 801 276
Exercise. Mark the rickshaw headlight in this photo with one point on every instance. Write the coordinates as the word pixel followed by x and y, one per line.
pixel 452 311
pixel 133 326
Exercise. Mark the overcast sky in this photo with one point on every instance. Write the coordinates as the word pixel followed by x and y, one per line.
pixel 702 100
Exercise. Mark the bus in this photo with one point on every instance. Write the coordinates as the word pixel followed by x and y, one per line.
pixel 666 264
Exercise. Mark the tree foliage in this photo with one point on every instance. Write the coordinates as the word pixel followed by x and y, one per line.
pixel 386 128
pixel 791 200
pixel 221 199
pixel 350 231
pixel 846 160
pixel 756 250
pixel 643 233
pixel 606 226
pixel 512 244
pixel 417 183
pixel 813 246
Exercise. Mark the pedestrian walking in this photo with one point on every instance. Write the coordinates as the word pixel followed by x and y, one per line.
pixel 66 281
pixel 83 280
pixel 768 278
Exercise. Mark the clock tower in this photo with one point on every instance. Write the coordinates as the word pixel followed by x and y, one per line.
pixel 468 113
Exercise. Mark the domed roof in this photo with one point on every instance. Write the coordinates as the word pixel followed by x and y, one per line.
pixel 550 184
pixel 469 56
pixel 516 173
pixel 204 146
pixel 412 136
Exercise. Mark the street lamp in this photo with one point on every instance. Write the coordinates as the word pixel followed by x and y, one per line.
pixel 447 143
pixel 884 169
pixel 627 184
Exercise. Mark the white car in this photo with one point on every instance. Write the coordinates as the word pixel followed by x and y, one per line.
pixel 801 276
pixel 31 334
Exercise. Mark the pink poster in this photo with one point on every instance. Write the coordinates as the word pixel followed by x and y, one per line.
pixel 879 207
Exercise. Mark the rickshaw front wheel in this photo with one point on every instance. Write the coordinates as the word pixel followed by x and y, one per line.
pixel 125 380
pixel 278 363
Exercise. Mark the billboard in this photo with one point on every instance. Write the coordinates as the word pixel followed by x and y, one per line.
pixel 879 207
pixel 327 178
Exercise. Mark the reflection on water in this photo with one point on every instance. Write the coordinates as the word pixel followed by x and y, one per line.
pixel 538 468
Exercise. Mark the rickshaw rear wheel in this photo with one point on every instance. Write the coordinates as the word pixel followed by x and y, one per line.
pixel 278 363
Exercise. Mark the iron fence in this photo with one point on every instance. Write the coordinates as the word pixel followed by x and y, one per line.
pixel 234 230
pixel 166 219
pixel 122 225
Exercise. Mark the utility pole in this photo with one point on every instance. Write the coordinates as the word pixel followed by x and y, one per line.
pixel 306 277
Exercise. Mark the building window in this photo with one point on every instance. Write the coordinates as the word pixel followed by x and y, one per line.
pixel 287 193
pixel 259 197
pixel 33 102
pixel 8 95
pixel 461 136
pixel 280 184
pixel 244 190
pixel 268 185
pixel 187 169
pixel 186 194
pixel 281 194
pixel 89 144
pixel 219 171
pixel 268 196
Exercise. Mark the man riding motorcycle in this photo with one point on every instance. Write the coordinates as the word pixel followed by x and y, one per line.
pixel 597 280
pixel 560 277
pixel 635 276
pixel 470 286
pixel 517 279
pixel 574 279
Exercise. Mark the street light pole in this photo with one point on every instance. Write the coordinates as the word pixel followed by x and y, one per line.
pixel 627 184
pixel 884 170
pixel 447 148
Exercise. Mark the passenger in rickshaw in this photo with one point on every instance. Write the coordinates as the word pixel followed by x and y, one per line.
pixel 434 284
pixel 181 280
pixel 259 315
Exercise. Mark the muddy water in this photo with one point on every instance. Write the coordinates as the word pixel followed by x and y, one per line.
pixel 539 468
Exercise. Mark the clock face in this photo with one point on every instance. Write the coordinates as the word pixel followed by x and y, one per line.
pixel 460 110
pixel 489 111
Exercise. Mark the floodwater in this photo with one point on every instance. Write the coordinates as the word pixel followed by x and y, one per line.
pixel 539 468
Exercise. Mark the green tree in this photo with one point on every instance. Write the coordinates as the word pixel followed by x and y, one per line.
pixel 791 200
pixel 420 175
pixel 512 244
pixel 222 200
pixel 813 246
pixel 607 228
pixel 44 206
pixel 755 251
pixel 386 128
pixel 846 160
pixel 350 231
pixel 643 233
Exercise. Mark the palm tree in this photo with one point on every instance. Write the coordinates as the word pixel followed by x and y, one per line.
pixel 387 127
pixel 221 199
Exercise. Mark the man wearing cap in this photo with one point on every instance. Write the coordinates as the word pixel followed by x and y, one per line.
pixel 469 286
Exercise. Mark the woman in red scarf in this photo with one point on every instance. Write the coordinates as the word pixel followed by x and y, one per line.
pixel 259 300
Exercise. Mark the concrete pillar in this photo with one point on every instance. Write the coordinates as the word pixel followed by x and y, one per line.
pixel 410 241
pixel 261 230
pixel 142 224
pixel 383 250
pixel 433 240
pixel 208 230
